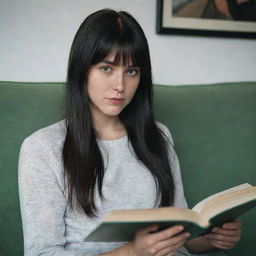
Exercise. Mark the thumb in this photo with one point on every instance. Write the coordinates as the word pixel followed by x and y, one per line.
pixel 148 229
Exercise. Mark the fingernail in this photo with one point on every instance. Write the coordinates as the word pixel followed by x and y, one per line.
pixel 180 228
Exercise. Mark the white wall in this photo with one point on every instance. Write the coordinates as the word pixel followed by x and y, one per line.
pixel 35 38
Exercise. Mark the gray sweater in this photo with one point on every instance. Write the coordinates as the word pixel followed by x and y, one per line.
pixel 50 227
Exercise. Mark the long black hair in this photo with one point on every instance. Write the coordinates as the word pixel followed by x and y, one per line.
pixel 101 33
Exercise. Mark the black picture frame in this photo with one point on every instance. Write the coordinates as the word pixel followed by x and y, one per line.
pixel 166 23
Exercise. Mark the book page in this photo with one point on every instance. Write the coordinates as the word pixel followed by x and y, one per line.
pixel 228 201
pixel 201 204
pixel 155 214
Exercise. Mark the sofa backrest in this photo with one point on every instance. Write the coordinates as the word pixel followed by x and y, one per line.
pixel 214 131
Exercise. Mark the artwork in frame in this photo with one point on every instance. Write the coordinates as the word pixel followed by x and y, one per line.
pixel 226 18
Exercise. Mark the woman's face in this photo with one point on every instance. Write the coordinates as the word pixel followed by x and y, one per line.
pixel 111 86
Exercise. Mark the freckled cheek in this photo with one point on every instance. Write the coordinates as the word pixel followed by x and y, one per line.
pixel 96 89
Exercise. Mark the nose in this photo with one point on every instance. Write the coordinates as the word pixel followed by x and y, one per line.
pixel 119 82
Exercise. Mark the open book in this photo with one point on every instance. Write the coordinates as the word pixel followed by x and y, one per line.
pixel 120 226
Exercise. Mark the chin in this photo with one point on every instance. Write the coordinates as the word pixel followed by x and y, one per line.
pixel 114 112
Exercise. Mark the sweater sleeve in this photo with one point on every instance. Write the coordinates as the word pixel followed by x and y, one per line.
pixel 42 202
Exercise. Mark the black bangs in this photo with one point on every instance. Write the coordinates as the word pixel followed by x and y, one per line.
pixel 125 54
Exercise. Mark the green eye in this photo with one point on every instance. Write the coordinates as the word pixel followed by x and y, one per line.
pixel 132 71
pixel 105 68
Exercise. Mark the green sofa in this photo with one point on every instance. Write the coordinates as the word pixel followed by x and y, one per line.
pixel 214 129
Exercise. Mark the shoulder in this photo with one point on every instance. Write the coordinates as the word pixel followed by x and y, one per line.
pixel 166 132
pixel 54 133
pixel 40 159
pixel 48 138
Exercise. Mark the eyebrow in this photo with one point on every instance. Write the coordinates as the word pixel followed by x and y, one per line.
pixel 115 64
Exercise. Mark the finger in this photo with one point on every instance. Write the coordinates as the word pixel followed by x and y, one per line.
pixel 167 233
pixel 226 232
pixel 220 237
pixel 232 225
pixel 148 229
pixel 235 225
pixel 222 245
pixel 170 250
pixel 175 241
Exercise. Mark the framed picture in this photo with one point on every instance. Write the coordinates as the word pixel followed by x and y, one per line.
pixel 226 18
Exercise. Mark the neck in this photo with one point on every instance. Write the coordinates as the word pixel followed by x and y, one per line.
pixel 108 128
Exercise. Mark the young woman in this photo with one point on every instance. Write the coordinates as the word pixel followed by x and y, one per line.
pixel 108 153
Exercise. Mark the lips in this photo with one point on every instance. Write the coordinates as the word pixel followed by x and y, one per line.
pixel 116 101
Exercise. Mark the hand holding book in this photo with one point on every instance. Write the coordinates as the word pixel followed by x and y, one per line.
pixel 226 236
pixel 148 242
